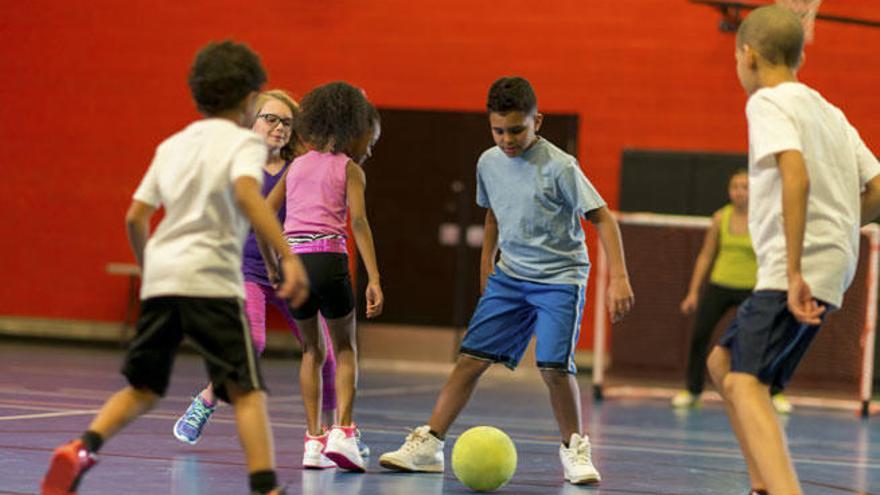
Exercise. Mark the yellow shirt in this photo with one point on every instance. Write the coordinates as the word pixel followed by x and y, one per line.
pixel 735 265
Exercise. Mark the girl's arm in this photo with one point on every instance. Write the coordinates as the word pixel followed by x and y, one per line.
pixel 490 248
pixel 356 180
pixel 705 260
pixel 620 295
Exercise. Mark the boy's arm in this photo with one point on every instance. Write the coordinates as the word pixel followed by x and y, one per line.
pixel 704 262
pixel 295 285
pixel 137 226
pixel 795 188
pixel 363 236
pixel 620 295
pixel 490 248
pixel 871 201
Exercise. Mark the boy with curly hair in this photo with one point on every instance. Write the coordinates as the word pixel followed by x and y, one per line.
pixel 207 177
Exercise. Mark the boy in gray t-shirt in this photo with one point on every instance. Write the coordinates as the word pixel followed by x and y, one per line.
pixel 536 196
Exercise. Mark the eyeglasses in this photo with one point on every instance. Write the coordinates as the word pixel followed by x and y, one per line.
pixel 274 120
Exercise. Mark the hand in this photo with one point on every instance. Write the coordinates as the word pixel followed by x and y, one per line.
pixel 484 277
pixel 295 284
pixel 689 304
pixel 272 274
pixel 375 299
pixel 620 298
pixel 801 302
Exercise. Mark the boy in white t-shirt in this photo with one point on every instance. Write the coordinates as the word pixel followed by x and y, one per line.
pixel 813 182
pixel 207 177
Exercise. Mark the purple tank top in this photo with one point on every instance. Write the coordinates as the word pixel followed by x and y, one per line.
pixel 252 261
pixel 316 195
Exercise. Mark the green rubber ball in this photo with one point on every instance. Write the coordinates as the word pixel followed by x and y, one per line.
pixel 484 458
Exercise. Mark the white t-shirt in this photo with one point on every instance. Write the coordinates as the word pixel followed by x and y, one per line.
pixel 196 249
pixel 791 116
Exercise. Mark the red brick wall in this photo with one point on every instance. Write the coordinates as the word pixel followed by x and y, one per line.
pixel 88 90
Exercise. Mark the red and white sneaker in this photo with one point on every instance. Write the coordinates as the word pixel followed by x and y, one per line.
pixel 69 463
pixel 313 453
pixel 342 448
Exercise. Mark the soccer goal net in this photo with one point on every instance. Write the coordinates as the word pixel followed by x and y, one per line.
pixel 646 354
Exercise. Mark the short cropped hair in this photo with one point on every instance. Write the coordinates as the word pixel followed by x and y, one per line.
pixel 223 74
pixel 336 114
pixel 776 33
pixel 511 94
pixel 286 151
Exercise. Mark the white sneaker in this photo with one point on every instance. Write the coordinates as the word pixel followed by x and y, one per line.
pixel 342 448
pixel 313 453
pixel 685 399
pixel 422 452
pixel 577 461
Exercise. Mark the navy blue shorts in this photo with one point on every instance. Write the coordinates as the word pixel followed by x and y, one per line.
pixel 765 340
pixel 512 310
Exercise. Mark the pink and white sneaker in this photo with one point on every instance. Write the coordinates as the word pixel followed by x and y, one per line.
pixel 313 452
pixel 342 448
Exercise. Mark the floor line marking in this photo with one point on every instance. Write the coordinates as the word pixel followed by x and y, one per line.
pixel 50 414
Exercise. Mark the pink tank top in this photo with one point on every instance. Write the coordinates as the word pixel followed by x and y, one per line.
pixel 316 202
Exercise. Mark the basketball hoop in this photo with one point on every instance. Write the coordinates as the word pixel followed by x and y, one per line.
pixel 806 9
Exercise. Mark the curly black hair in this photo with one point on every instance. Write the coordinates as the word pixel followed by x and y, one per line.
pixel 511 94
pixel 223 74
pixel 336 114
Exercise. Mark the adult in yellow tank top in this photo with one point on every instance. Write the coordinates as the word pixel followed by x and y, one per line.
pixel 728 258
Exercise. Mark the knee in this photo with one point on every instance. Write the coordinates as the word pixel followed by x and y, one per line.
pixel 470 367
pixel 317 351
pixel 239 396
pixel 146 397
pixel 718 365
pixel 739 384
pixel 344 343
pixel 554 378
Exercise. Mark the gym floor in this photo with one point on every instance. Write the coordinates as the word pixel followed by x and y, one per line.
pixel 48 395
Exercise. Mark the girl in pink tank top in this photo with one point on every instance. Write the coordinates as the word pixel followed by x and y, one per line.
pixel 323 188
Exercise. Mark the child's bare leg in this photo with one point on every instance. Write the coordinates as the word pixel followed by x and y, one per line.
pixel 254 430
pixel 565 398
pixel 456 392
pixel 342 331
pixel 750 401
pixel 719 366
pixel 121 408
pixel 314 352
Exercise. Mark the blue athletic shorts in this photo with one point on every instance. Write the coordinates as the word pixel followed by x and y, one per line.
pixel 765 340
pixel 512 310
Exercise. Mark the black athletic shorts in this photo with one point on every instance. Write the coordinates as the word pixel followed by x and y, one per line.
pixel 217 329
pixel 766 341
pixel 331 292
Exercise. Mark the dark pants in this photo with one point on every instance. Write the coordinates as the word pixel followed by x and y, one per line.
pixel 714 303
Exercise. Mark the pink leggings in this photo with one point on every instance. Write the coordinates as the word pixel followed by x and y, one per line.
pixel 256 297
